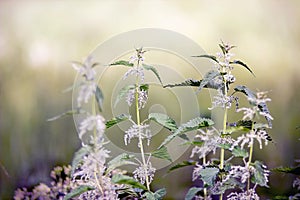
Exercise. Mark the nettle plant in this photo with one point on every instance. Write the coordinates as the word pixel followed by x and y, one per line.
pixel 234 175
pixel 223 176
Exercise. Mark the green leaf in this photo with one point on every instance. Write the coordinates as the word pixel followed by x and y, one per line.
pixel 120 160
pixel 149 196
pixel 99 98
pixel 195 143
pixel 123 92
pixel 209 174
pixel 192 193
pixel 127 180
pixel 208 78
pixel 162 153
pixel 78 191
pixel 78 157
pixel 242 64
pixel 214 58
pixel 191 125
pixel 259 174
pixel 122 62
pixel 188 82
pixel 154 70
pixel 224 146
pixel 289 170
pixel 67 113
pixel 144 87
pixel 182 164
pixel 241 125
pixel 238 152
pixel 116 120
pixel 159 194
pixel 163 120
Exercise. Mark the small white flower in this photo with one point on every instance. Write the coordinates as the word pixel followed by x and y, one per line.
pixel 136 131
pixel 130 96
pixel 90 123
pixel 229 78
pixel 196 171
pixel 242 173
pixel 137 59
pixel 143 97
pixel 144 171
pixel 86 69
pixel 260 136
pixel 247 195
pixel 138 56
pixel 210 140
pixel 249 113
pixel 221 100
pixel 296 183
pixel 86 91
pixel 136 71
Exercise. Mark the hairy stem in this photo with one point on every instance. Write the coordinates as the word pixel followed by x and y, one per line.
pixel 140 136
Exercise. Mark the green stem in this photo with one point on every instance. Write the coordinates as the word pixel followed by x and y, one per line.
pixel 140 136
pixel 222 153
pixel 248 163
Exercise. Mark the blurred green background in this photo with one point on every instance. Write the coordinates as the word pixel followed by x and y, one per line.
pixel 38 39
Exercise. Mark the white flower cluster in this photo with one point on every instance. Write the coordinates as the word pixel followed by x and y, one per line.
pixel 137 60
pixel 210 140
pixel 137 131
pixel 144 171
pixel 88 86
pixel 203 198
pixel 224 60
pixel 137 57
pixel 249 138
pixel 221 100
pixel 259 101
pixel 241 172
pixel 93 122
pixel 296 183
pixel 87 90
pixel 247 195
pixel 142 97
pixel 196 171
pixel 93 164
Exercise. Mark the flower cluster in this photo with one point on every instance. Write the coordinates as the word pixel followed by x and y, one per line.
pixel 210 140
pixel 142 97
pixel 143 171
pixel 88 85
pixel 246 195
pixel 137 131
pixel 137 70
pixel 61 185
pixel 259 135
pixel 92 122
pixel 223 101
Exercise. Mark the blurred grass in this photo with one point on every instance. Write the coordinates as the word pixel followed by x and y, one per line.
pixel 39 39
